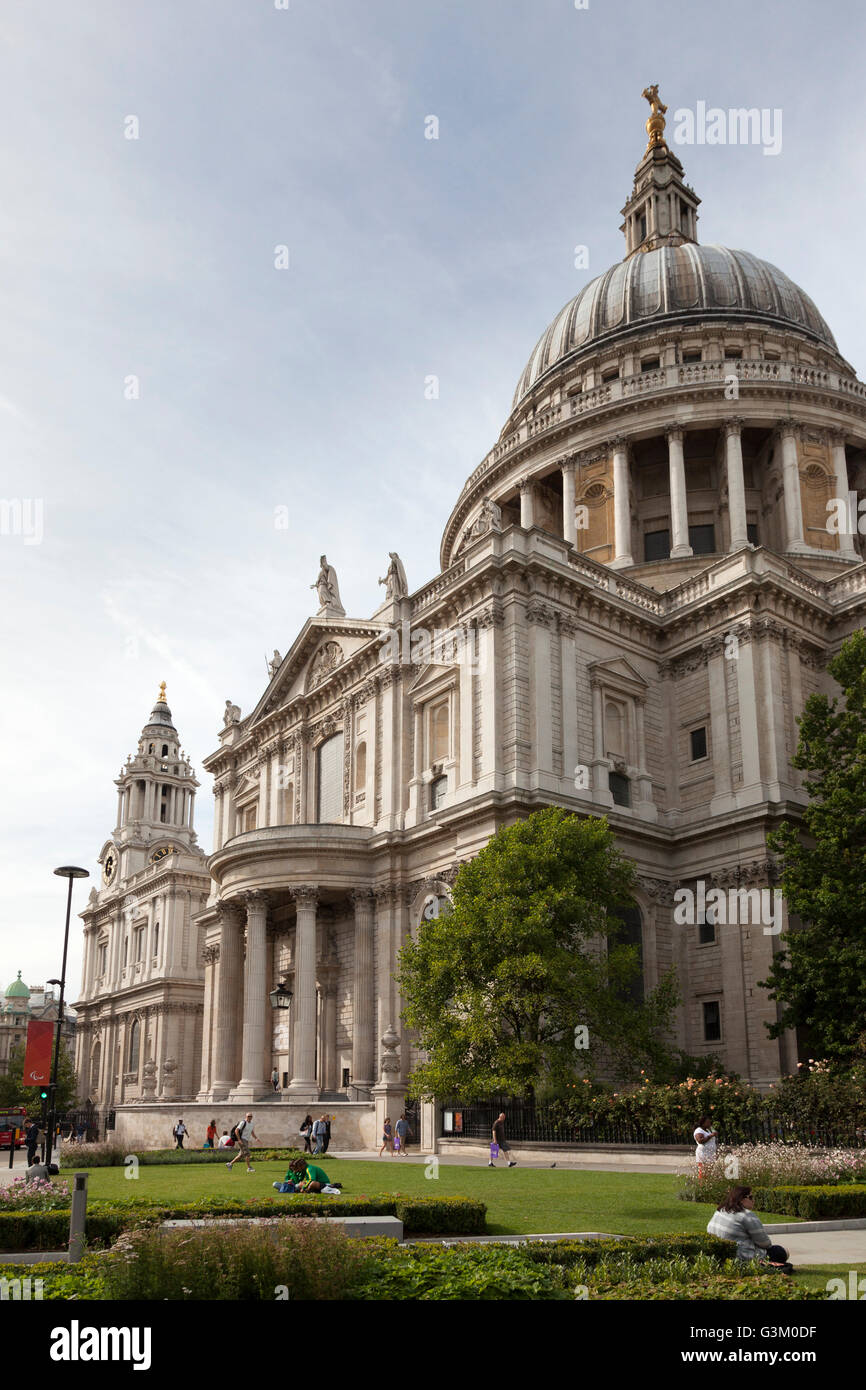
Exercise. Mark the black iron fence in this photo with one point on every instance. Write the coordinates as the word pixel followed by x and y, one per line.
pixel 86 1126
pixel 531 1124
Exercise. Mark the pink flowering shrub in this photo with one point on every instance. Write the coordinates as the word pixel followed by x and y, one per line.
pixel 771 1165
pixel 40 1194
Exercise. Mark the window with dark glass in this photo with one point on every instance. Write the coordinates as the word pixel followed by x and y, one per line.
pixel 692 356
pixel 702 539
pixel 650 364
pixel 752 532
pixel 706 929
pixel 612 374
pixel 657 545
pixel 620 789
pixel 632 935
pixel 712 1021
pixel 698 738
pixel 438 792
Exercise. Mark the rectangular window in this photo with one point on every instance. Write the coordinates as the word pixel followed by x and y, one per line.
pixel 706 930
pixel 620 789
pixel 698 738
pixel 733 354
pixel 702 539
pixel 657 545
pixel 691 357
pixel 612 374
pixel 650 364
pixel 329 789
pixel 712 1021
pixel 752 533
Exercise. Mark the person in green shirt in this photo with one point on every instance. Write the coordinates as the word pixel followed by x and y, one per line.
pixel 308 1177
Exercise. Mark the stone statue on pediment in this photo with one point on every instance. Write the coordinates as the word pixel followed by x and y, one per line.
pixel 395 581
pixel 232 714
pixel 328 590
pixel 274 664
pixel 489 518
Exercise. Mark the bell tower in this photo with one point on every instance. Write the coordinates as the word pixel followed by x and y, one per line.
pixel 139 1034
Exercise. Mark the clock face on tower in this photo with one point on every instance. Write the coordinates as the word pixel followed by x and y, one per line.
pixel 161 853
pixel 109 867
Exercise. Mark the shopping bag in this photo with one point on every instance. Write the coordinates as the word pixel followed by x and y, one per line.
pixel 494 1150
pixel 396 1143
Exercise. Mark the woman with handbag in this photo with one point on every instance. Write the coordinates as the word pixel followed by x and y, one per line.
pixel 306 1130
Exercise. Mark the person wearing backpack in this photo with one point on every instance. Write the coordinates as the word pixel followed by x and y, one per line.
pixel 243 1132
pixel 179 1131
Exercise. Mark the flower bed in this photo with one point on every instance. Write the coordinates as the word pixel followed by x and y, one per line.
pixel 771 1166
pixel 304 1260
pixel 49 1230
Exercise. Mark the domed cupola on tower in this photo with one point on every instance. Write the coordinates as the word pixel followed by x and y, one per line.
pixel 157 786
pixel 688 403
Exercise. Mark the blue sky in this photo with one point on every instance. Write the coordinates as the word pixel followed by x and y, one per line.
pixel 304 387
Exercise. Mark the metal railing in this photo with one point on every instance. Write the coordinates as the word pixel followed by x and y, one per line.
pixel 526 1123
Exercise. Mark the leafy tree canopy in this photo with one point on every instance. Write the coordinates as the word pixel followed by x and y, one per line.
pixel 819 977
pixel 13 1092
pixel 533 950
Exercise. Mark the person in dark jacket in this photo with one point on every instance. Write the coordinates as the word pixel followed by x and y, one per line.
pixel 326 1138
pixel 31 1139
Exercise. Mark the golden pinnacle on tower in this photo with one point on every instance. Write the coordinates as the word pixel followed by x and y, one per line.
pixel 655 125
pixel 161 700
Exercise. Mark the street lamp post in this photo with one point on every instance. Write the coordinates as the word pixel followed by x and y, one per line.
pixel 70 872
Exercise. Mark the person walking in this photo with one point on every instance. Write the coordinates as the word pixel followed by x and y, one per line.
pixel 211 1136
pixel 306 1130
pixel 735 1219
pixel 498 1144
pixel 327 1135
pixel 179 1132
pixel 31 1140
pixel 401 1130
pixel 706 1146
pixel 275 1079
pixel 319 1135
pixel 387 1137
pixel 243 1132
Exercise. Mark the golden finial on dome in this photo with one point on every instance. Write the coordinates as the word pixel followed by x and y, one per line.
pixel 655 125
pixel 162 700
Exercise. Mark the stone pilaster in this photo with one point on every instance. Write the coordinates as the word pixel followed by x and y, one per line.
pixel 303 1085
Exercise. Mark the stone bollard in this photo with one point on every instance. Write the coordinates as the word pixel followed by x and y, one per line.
pixel 76 1220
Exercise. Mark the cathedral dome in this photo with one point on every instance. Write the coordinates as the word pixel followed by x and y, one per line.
pixel 673 285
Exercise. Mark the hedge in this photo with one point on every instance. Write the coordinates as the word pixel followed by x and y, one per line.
pixel 49 1230
pixel 112 1155
pixel 638 1248
pixel 836 1203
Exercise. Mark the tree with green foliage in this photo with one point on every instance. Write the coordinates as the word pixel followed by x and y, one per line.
pixel 819 977
pixel 532 953
pixel 14 1092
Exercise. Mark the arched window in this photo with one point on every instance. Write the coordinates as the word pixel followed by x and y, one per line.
pixel 150 748
pixel 156 938
pixel 165 750
pixel 360 767
pixel 134 1043
pixel 329 780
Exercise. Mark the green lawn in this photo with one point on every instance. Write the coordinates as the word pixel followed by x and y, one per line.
pixel 519 1200
pixel 816 1276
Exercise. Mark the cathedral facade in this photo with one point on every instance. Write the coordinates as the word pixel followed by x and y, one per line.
pixel 640 586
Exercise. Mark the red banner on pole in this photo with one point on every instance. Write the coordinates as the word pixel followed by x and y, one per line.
pixel 37 1058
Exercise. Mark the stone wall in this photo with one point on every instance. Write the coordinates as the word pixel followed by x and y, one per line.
pixel 353 1125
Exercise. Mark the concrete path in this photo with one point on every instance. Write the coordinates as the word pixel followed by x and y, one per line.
pixel 569 1162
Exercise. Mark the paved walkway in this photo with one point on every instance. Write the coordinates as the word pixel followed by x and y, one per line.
pixel 569 1162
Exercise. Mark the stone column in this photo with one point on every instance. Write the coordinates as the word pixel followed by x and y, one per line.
pixel 303 1084
pixel 262 809
pixel 791 481
pixel 736 485
pixel 253 1084
pixel 225 1076
pixel 843 490
pixel 527 503
pixel 329 974
pixel 211 957
pixel 363 1010
pixel 569 527
pixel 680 547
pixel 568 657
pixel 621 506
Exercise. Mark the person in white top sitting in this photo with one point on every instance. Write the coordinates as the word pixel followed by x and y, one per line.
pixel 706 1144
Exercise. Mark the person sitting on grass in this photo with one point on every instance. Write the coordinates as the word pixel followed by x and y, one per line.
pixel 308 1177
pixel 735 1220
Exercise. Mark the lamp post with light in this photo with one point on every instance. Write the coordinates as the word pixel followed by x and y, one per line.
pixel 281 997
pixel 69 872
